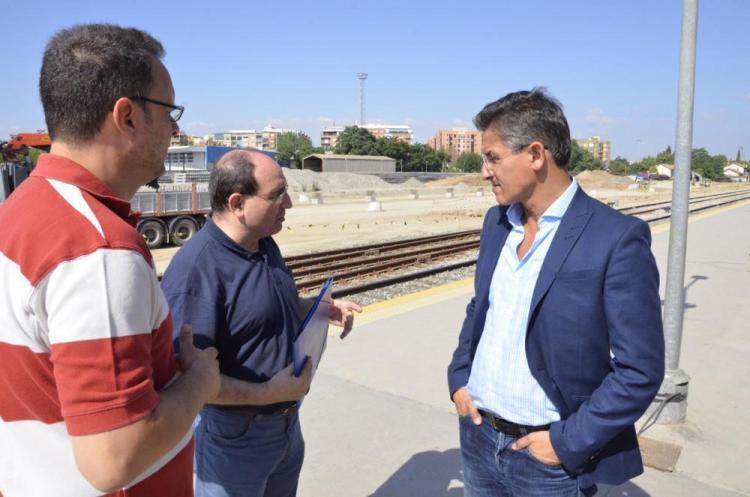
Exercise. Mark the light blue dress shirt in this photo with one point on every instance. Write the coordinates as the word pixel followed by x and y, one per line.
pixel 500 380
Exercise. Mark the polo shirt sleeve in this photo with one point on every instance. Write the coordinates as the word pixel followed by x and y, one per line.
pixel 104 311
pixel 201 313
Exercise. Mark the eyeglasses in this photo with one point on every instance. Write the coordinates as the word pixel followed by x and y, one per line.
pixel 492 159
pixel 277 197
pixel 175 114
pixel 495 160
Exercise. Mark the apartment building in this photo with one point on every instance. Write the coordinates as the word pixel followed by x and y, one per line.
pixel 329 137
pixel 270 136
pixel 456 141
pixel 600 149
pixel 399 132
pixel 330 134
pixel 240 138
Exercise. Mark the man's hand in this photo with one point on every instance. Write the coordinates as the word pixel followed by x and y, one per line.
pixel 540 447
pixel 200 362
pixel 342 314
pixel 284 386
pixel 465 405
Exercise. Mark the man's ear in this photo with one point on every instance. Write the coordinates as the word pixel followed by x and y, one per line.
pixel 124 116
pixel 235 202
pixel 538 155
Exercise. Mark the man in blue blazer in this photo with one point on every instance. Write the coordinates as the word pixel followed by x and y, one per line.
pixel 562 347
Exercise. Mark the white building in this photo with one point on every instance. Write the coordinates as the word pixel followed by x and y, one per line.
pixel 240 138
pixel 735 170
pixel 664 170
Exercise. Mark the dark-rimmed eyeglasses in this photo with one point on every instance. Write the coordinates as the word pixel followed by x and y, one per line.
pixel 175 114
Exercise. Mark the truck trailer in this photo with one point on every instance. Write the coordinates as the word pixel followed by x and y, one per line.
pixel 171 216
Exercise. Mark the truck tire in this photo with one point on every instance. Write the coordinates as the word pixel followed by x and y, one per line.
pixel 181 230
pixel 153 233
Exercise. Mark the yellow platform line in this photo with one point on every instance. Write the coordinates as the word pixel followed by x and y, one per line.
pixel 701 215
pixel 405 303
pixel 409 302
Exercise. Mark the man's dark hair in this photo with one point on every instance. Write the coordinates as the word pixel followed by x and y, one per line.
pixel 522 117
pixel 86 69
pixel 233 173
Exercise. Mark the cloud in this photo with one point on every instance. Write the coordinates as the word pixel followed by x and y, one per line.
pixel 597 117
pixel 199 125
pixel 462 123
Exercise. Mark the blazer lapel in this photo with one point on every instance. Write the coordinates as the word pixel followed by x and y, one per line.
pixel 494 245
pixel 571 226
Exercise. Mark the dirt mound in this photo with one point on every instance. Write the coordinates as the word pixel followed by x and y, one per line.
pixel 304 180
pixel 472 179
pixel 602 179
pixel 412 183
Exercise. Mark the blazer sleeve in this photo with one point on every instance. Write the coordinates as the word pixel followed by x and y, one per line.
pixel 633 317
pixel 460 367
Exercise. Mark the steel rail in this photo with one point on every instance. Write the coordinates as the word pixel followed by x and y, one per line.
pixel 388 263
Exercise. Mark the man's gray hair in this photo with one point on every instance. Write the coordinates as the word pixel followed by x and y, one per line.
pixel 522 117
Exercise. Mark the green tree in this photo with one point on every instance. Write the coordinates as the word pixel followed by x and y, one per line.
pixel 394 148
pixel 739 157
pixel 707 165
pixel 423 158
pixel 468 162
pixel 622 167
pixel 665 157
pixel 581 159
pixel 356 141
pixel 293 147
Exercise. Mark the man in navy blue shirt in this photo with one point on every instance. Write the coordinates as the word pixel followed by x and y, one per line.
pixel 230 283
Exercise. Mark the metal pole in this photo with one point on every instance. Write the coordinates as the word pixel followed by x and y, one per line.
pixel 362 76
pixel 675 386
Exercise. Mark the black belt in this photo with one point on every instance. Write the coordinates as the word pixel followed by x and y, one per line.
pixel 265 411
pixel 509 428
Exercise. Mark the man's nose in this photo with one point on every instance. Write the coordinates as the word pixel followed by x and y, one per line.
pixel 175 128
pixel 485 171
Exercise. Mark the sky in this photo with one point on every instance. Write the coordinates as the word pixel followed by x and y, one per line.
pixel 293 64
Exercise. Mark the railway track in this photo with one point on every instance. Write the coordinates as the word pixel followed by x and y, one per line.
pixel 368 267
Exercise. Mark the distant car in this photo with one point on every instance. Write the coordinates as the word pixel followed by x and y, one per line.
pixel 641 177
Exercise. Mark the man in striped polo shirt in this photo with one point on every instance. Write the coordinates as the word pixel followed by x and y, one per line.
pixel 91 400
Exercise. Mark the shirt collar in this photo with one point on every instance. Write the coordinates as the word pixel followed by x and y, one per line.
pixel 60 168
pixel 217 234
pixel 554 212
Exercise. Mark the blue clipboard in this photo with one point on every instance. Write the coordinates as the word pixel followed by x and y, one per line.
pixel 312 335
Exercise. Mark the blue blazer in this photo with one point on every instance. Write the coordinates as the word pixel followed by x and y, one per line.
pixel 597 291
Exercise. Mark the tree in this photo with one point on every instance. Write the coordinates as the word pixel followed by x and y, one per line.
pixel 423 158
pixel 621 166
pixel 709 166
pixel 292 147
pixel 356 141
pixel 739 156
pixel 665 157
pixel 468 162
pixel 581 159
pixel 394 148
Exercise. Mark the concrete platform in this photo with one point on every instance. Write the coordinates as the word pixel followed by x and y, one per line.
pixel 378 420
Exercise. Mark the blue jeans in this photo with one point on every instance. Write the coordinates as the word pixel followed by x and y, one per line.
pixel 493 469
pixel 236 455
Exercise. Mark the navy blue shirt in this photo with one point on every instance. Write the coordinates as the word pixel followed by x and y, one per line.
pixel 243 303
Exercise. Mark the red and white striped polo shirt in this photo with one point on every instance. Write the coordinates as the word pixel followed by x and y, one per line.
pixel 85 334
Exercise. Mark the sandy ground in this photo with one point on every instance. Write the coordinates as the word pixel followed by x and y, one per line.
pixel 343 220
